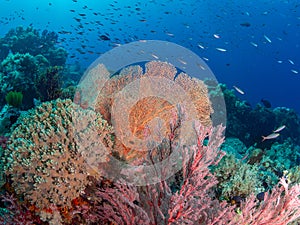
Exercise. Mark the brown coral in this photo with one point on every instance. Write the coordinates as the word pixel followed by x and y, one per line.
pixel 156 94
pixel 53 151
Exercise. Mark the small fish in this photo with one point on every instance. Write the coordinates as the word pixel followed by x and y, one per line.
pixel 216 36
pixel 279 61
pixel 104 38
pixel 279 129
pixel 221 49
pixel 268 39
pixel 239 90
pixel 201 46
pixel 114 44
pixel 254 44
pixel 245 24
pixel 183 62
pixel 291 62
pixel 155 56
pixel 202 67
pixel 206 59
pixel 169 34
pixel 295 71
pixel 270 136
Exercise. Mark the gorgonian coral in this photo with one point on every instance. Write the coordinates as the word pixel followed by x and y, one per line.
pixel 157 91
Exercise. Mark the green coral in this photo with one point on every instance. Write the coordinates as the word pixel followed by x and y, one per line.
pixel 14 98
pixel 237 178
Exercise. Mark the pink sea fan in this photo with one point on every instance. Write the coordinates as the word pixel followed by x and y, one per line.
pixel 121 203
pixel 193 203
pixel 279 207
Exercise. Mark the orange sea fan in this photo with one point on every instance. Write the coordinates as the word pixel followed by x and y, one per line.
pixel 132 100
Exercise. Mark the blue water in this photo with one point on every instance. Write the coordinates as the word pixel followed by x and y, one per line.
pixel 255 70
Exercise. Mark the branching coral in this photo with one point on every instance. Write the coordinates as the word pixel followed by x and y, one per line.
pixel 54 150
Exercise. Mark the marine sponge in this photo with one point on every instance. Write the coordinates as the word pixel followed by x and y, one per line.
pixel 54 149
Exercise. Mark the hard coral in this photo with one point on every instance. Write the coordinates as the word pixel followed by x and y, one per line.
pixel 53 151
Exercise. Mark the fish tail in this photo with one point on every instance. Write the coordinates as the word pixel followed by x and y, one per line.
pixel 263 138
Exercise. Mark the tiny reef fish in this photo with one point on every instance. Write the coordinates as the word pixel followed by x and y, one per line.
pixel 270 136
pixel 279 129
pixel 239 90
pixel 268 39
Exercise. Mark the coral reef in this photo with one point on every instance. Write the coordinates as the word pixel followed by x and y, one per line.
pixel 48 156
pixel 18 73
pixel 29 40
pixel 249 123
pixel 29 64
pixel 237 178
pixel 234 146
